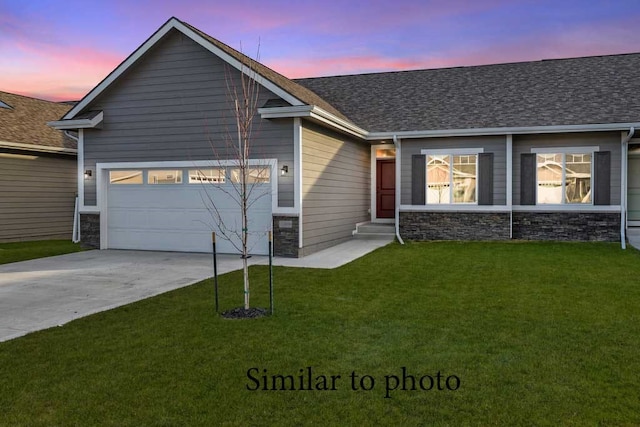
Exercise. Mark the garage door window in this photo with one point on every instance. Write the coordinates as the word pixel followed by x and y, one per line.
pixel 165 176
pixel 256 175
pixel 125 177
pixel 213 176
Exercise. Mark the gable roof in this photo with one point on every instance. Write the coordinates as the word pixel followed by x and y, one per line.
pixel 290 91
pixel 24 124
pixel 575 91
pixel 588 93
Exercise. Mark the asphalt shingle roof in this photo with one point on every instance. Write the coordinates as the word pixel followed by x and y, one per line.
pixel 588 90
pixel 26 121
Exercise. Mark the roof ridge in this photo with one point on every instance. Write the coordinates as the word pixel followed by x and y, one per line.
pixel 497 64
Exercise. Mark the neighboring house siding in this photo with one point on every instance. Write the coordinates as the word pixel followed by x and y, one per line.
pixel 173 105
pixel 37 196
pixel 490 144
pixel 606 141
pixel 335 186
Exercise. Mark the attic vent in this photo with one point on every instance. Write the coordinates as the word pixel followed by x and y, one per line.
pixel 3 105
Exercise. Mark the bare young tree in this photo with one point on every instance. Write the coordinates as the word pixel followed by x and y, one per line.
pixel 247 177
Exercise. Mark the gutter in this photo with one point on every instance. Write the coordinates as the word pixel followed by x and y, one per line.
pixel 396 143
pixel 623 188
pixel 38 148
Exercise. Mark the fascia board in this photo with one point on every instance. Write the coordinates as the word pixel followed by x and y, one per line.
pixel 77 124
pixel 316 113
pixel 120 69
pixel 237 64
pixel 601 127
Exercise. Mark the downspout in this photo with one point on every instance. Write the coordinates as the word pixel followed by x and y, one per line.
pixel 75 234
pixel 396 143
pixel 623 188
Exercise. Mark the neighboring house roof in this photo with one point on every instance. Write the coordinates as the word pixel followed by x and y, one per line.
pixel 576 91
pixel 24 124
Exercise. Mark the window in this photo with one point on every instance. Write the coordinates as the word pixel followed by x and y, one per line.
pixel 125 177
pixel 256 175
pixel 173 176
pixel 451 178
pixel 213 176
pixel 563 178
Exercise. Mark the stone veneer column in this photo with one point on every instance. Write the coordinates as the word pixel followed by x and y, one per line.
pixel 285 236
pixel 90 231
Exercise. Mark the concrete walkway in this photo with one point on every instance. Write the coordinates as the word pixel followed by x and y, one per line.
pixel 633 235
pixel 47 292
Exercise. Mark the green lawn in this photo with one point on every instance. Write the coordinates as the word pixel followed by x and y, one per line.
pixel 536 333
pixel 22 251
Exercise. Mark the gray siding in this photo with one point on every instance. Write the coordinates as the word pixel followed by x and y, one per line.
pixel 491 144
pixel 37 196
pixel 173 105
pixel 335 186
pixel 607 141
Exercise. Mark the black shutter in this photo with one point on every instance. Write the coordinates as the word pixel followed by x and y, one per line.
pixel 418 179
pixel 528 179
pixel 601 184
pixel 485 179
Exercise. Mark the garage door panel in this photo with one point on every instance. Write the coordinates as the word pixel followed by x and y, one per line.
pixel 176 218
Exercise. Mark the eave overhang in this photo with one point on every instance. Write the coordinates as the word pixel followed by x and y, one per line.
pixel 84 123
pixel 316 114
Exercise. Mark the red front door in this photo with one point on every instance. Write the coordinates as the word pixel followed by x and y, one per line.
pixel 386 188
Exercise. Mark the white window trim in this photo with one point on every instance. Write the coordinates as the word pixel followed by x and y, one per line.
pixel 564 151
pixel 449 152
pixel 455 207
pixel 452 151
pixel 569 207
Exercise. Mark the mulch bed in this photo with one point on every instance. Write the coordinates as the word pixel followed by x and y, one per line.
pixel 242 313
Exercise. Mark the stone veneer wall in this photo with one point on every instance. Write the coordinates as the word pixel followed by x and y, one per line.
pixel 454 225
pixel 285 236
pixel 567 226
pixel 90 231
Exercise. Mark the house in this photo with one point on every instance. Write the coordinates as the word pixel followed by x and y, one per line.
pixel 37 171
pixel 531 150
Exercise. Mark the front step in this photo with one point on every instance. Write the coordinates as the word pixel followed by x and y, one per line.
pixel 371 230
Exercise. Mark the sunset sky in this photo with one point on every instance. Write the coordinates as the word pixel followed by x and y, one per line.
pixel 59 50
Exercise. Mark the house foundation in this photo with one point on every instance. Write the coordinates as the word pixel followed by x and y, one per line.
pixel 454 225
pixel 567 226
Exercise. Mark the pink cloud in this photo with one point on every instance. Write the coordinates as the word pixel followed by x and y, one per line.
pixel 311 67
pixel 587 40
pixel 40 64
pixel 57 74
pixel 591 40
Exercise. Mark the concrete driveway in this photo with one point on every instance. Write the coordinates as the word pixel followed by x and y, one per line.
pixel 47 292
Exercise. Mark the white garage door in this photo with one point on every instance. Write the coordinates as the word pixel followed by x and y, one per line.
pixel 177 209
